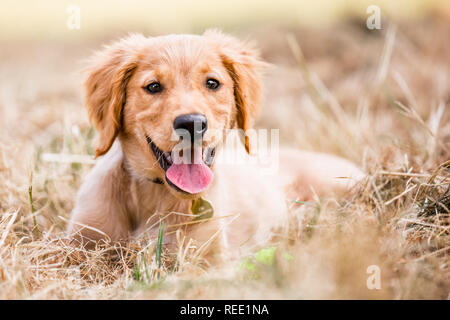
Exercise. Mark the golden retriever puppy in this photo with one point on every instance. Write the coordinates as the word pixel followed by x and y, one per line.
pixel 146 96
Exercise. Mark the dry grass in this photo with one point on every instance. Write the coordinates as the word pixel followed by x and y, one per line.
pixel 381 99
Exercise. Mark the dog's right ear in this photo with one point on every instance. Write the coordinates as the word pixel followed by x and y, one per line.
pixel 105 88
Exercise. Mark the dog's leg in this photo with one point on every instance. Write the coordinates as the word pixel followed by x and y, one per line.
pixel 247 211
pixel 305 174
pixel 100 211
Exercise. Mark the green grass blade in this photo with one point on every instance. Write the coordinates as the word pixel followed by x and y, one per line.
pixel 159 247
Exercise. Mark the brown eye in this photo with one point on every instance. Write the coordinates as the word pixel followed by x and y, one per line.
pixel 154 87
pixel 212 84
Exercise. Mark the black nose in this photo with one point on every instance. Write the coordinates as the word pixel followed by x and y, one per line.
pixel 196 124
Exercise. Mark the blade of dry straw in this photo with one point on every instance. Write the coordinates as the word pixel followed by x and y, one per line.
pixel 8 227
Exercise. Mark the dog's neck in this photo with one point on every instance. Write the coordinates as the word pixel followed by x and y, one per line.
pixel 151 201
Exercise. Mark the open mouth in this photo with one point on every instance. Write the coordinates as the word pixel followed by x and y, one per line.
pixel 190 177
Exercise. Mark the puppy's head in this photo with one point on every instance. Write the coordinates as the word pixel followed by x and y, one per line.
pixel 170 100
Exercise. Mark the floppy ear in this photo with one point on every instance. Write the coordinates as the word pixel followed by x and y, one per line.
pixel 105 89
pixel 245 67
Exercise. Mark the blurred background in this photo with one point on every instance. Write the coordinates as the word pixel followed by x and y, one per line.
pixel 379 97
pixel 44 45
pixel 46 20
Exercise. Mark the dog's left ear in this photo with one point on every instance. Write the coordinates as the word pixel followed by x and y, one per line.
pixel 243 62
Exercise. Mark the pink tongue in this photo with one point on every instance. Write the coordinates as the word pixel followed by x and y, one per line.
pixel 192 178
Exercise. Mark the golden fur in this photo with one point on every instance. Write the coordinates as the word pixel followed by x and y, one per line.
pixel 118 200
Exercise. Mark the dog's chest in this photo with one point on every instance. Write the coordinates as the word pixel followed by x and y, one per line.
pixel 153 204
